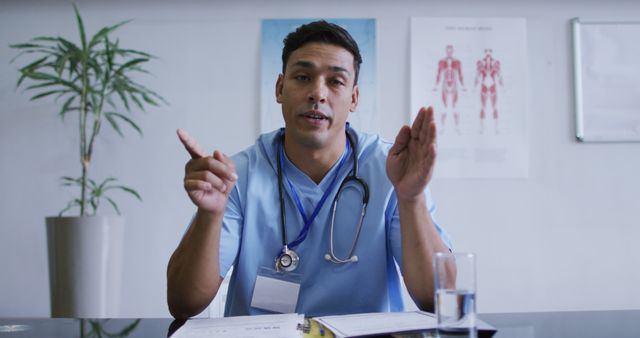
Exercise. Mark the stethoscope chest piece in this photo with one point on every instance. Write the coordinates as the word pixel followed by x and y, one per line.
pixel 287 261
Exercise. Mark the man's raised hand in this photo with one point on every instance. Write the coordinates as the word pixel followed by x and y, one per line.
pixel 208 179
pixel 412 157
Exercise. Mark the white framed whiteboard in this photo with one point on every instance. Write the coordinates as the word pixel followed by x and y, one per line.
pixel 607 80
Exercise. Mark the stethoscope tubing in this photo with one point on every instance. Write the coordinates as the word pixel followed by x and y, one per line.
pixel 331 256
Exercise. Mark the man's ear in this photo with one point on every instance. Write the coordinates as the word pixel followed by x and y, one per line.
pixel 279 86
pixel 354 98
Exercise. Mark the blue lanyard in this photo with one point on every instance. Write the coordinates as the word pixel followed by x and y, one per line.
pixel 307 221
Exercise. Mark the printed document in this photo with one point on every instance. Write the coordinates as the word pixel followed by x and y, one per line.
pixel 265 326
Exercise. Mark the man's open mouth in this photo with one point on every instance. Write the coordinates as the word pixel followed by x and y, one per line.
pixel 315 116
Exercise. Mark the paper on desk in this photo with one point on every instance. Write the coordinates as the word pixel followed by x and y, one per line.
pixel 378 323
pixel 267 326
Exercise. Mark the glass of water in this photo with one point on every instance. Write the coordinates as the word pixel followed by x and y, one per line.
pixel 455 292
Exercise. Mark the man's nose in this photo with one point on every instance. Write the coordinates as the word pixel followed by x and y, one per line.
pixel 318 92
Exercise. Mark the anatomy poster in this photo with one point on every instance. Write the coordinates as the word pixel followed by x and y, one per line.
pixel 473 72
pixel 275 30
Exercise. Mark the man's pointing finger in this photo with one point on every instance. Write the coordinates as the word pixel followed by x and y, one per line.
pixel 190 144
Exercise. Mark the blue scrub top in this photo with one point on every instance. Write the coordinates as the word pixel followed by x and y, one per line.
pixel 251 235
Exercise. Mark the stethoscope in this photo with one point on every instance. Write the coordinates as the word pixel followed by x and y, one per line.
pixel 288 260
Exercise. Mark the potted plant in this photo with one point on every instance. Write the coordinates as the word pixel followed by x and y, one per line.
pixel 93 82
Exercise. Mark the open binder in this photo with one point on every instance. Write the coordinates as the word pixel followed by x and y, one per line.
pixel 383 324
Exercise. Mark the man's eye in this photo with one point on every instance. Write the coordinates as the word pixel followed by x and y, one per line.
pixel 301 78
pixel 336 82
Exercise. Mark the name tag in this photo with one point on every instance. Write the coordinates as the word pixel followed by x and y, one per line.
pixel 276 295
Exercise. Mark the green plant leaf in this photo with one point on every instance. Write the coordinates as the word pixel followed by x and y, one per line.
pixel 83 36
pixel 137 101
pixel 73 66
pixel 108 54
pixel 121 94
pixel 69 184
pixel 41 95
pixel 59 66
pixel 149 100
pixel 130 64
pixel 42 85
pixel 94 205
pixel 133 125
pixel 113 123
pixel 152 93
pixel 62 41
pixel 62 92
pixel 46 38
pixel 113 204
pixel 26 45
pixel 139 70
pixel 92 183
pixel 42 76
pixel 95 66
pixel 71 86
pixel 20 79
pixel 73 203
pixel 34 64
pixel 95 102
pixel 127 189
pixel 104 32
pixel 131 51
pixel 66 105
pixel 70 109
pixel 28 48
pixel 110 101
pixel 106 181
pixel 95 187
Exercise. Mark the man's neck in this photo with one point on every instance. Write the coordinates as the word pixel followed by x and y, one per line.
pixel 314 162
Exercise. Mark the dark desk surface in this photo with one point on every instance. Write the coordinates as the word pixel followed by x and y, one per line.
pixel 587 324
pixel 583 324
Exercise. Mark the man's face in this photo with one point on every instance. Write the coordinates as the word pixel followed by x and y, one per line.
pixel 317 93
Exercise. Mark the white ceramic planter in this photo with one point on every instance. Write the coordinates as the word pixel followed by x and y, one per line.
pixel 85 265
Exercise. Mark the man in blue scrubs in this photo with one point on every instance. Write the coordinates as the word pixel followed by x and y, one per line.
pixel 268 211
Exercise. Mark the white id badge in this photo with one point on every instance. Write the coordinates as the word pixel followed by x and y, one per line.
pixel 276 291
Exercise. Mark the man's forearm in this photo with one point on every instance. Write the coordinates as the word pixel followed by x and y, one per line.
pixel 420 242
pixel 193 273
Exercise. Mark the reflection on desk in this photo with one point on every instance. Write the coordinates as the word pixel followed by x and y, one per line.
pixel 569 324
pixel 581 324
pixel 83 328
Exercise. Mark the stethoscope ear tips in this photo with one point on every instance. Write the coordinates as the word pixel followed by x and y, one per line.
pixel 327 257
pixel 353 259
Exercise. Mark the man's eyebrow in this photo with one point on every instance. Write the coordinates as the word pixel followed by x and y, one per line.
pixel 310 65
pixel 339 69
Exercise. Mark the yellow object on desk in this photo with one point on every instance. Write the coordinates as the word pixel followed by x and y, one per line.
pixel 315 330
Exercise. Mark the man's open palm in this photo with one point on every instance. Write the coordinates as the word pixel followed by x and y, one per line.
pixel 412 157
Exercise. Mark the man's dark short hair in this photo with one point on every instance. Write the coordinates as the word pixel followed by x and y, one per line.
pixel 323 32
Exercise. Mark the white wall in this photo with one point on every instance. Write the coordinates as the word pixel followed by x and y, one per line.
pixel 562 239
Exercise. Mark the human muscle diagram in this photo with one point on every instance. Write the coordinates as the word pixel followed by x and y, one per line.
pixel 450 76
pixel 488 77
pixel 473 73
